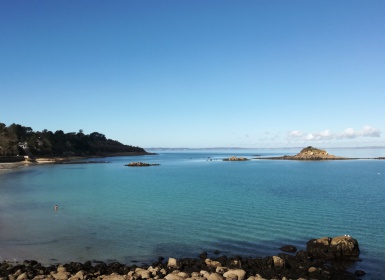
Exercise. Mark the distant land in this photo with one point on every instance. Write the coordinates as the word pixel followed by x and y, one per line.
pixel 255 148
pixel 18 140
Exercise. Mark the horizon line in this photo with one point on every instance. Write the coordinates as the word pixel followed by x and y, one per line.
pixel 263 148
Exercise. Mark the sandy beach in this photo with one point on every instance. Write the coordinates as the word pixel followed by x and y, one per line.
pixel 12 165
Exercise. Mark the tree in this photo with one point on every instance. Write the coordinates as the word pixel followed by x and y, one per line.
pixel 8 141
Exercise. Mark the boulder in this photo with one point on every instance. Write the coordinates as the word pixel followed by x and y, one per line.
pixel 78 276
pixel 61 274
pixel 172 276
pixel 239 273
pixel 215 276
pixel 278 262
pixel 114 276
pixel 22 276
pixel 172 263
pixel 212 263
pixel 221 269
pixel 340 247
pixel 360 273
pixel 288 249
pixel 344 247
pixel 205 274
pixel 142 273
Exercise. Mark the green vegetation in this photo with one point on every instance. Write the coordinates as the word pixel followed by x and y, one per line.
pixel 310 149
pixel 58 144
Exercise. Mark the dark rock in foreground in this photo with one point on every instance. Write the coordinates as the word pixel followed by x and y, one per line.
pixel 310 264
pixel 340 247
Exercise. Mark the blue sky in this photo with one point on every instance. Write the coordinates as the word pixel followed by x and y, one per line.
pixel 197 73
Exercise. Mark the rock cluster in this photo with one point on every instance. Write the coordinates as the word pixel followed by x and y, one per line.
pixel 312 263
pixel 234 158
pixel 311 153
pixel 314 153
pixel 139 163
pixel 340 247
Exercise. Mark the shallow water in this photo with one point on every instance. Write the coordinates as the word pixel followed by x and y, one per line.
pixel 192 202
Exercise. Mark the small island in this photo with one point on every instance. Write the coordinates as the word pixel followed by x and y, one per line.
pixel 234 158
pixel 311 153
pixel 140 164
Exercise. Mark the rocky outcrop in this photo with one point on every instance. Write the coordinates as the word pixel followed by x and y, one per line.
pixel 340 247
pixel 311 153
pixel 140 164
pixel 234 158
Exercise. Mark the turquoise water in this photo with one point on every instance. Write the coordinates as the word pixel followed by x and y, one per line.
pixel 192 202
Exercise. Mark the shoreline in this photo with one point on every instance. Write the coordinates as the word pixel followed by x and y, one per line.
pixel 9 166
pixel 323 259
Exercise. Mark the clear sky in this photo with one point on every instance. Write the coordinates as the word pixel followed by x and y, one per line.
pixel 197 73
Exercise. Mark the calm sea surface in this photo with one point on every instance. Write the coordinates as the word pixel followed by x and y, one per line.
pixel 192 202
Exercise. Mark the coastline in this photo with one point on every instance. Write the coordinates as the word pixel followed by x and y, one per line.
pixel 9 166
pixel 324 258
pixel 94 264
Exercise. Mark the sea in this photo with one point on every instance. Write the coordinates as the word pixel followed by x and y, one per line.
pixel 193 202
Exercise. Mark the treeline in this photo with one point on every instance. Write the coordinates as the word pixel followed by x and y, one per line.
pixel 58 143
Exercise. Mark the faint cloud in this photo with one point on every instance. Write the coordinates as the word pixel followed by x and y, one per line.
pixel 349 133
pixel 296 134
pixel 367 131
pixel 371 132
pixel 319 136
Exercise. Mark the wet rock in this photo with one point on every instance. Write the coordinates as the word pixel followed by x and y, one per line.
pixel 360 273
pixel 333 248
pixel 203 255
pixel 344 247
pixel 288 249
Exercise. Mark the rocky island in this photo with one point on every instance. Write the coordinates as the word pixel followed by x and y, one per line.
pixel 140 164
pixel 234 158
pixel 311 153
